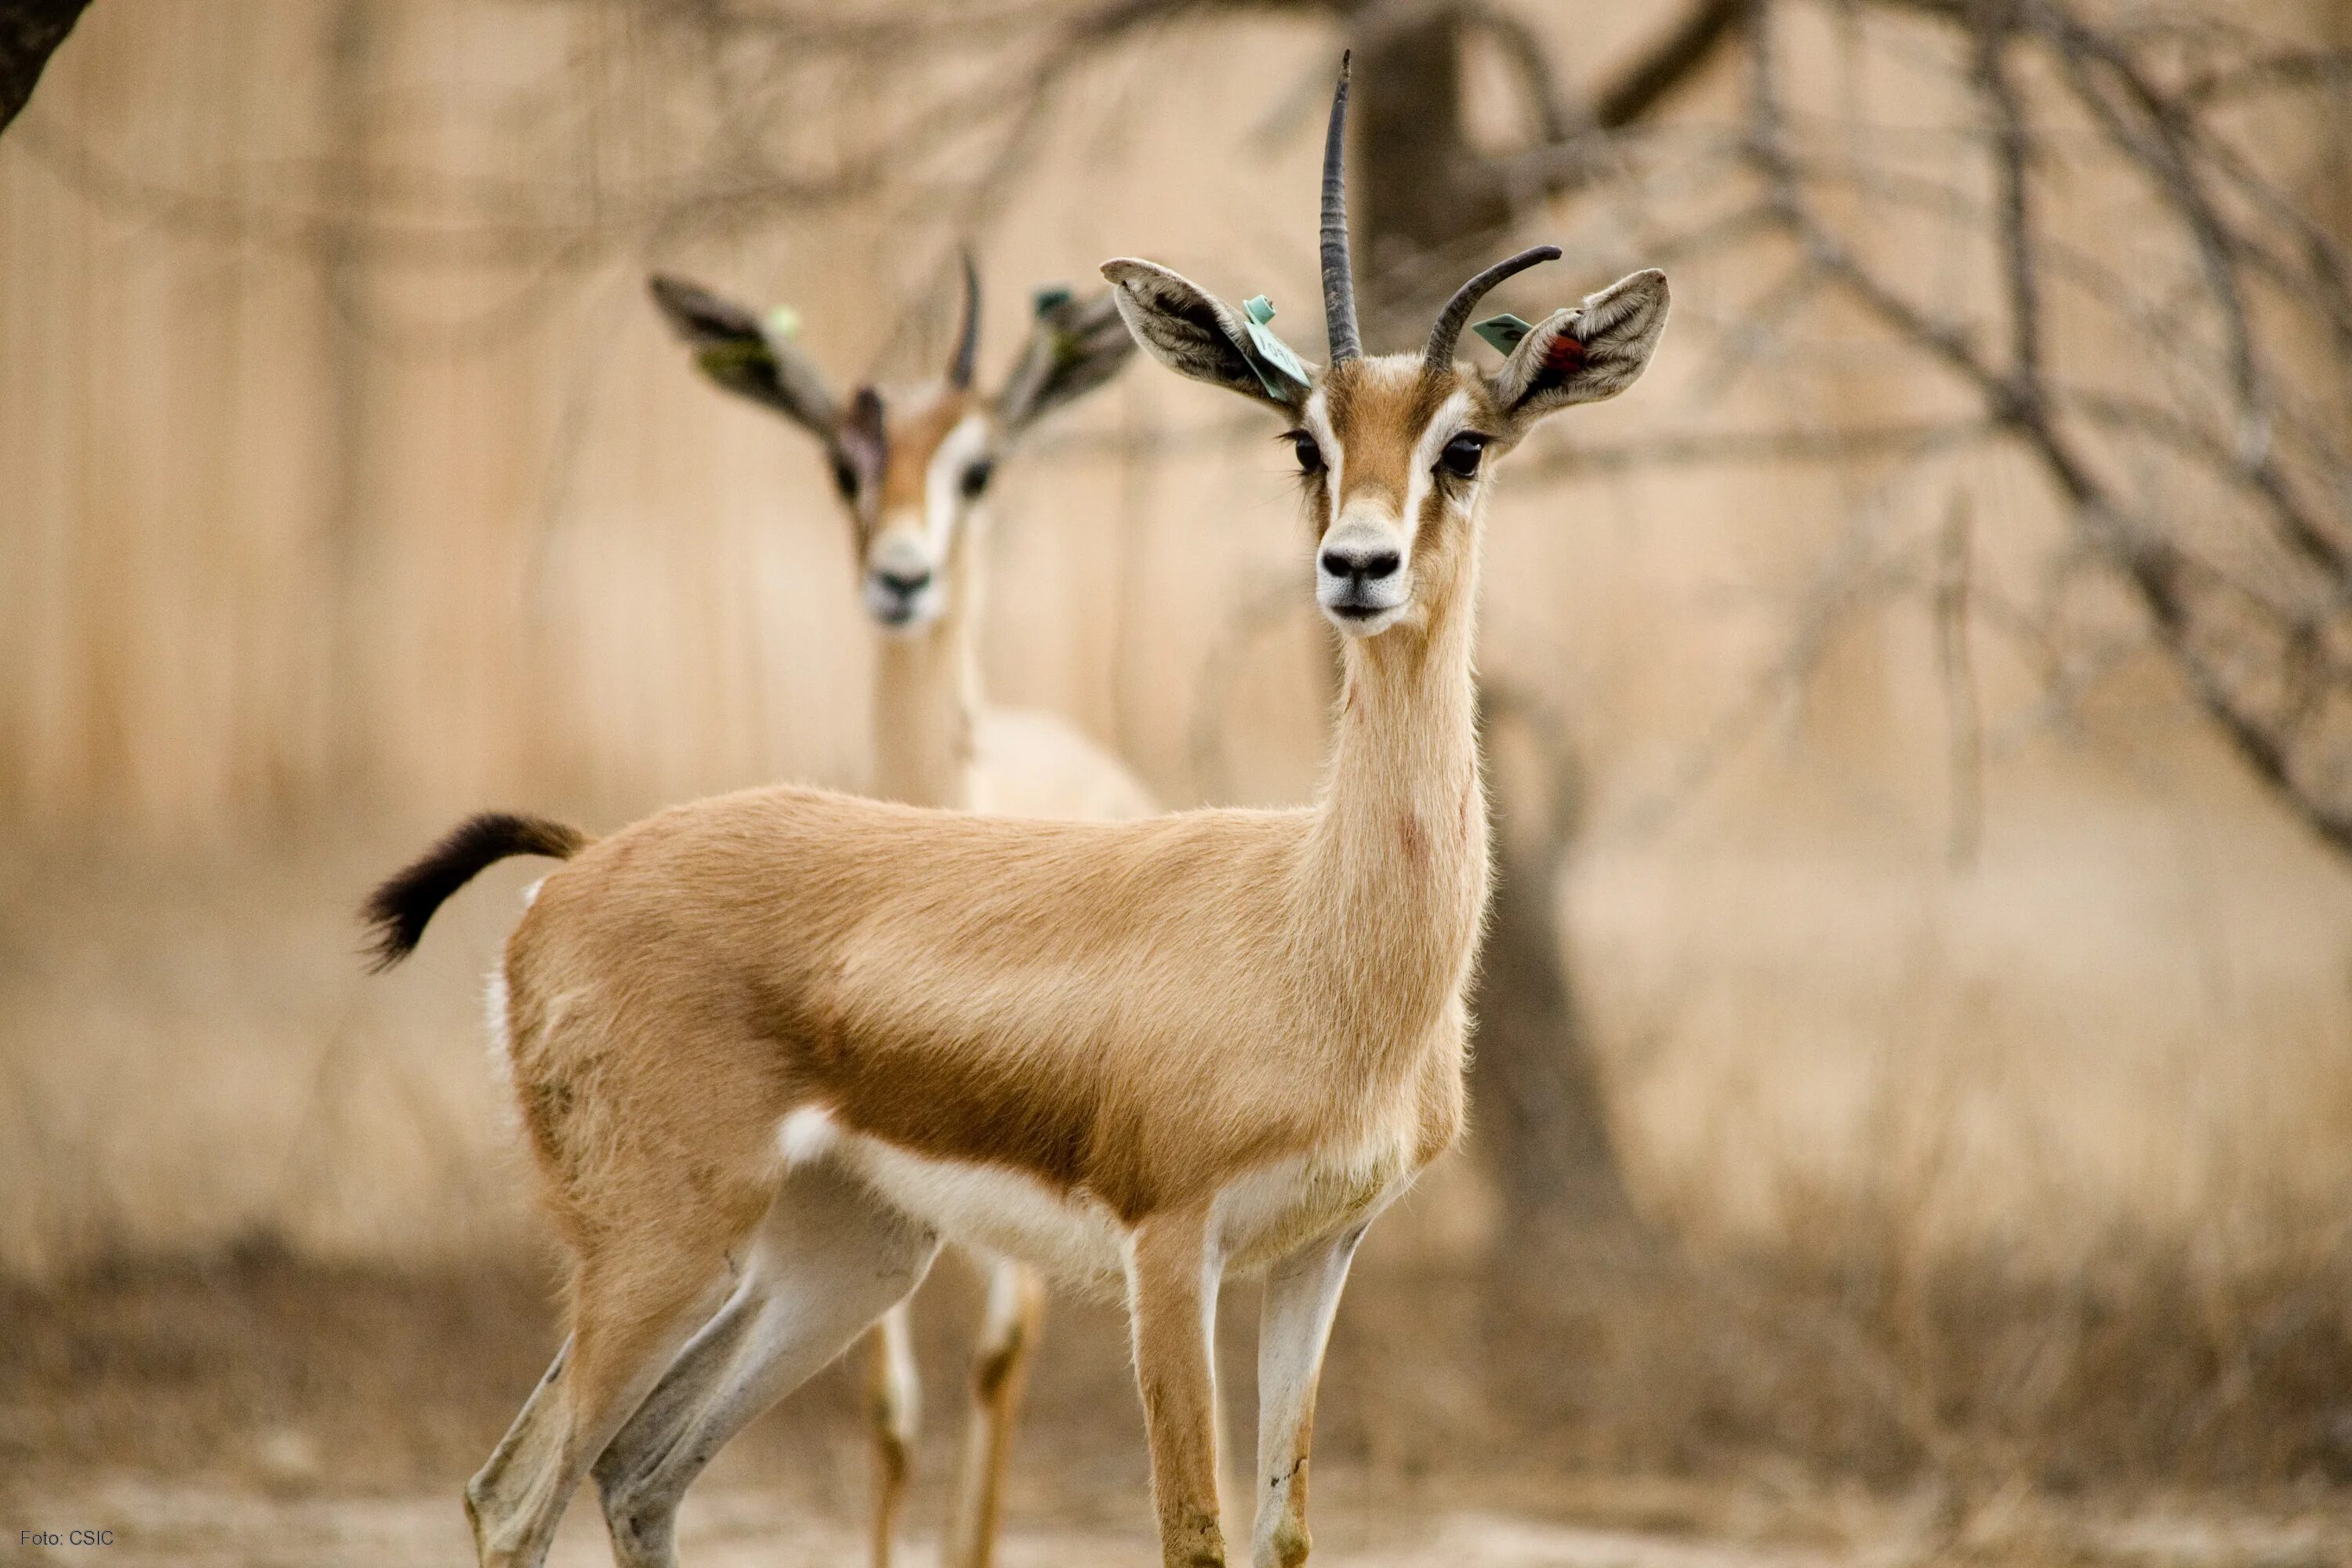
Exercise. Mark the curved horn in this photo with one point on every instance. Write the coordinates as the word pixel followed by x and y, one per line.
pixel 1338 276
pixel 967 339
pixel 1456 314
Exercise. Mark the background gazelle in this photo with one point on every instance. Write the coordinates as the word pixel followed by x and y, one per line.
pixel 782 1043
pixel 913 466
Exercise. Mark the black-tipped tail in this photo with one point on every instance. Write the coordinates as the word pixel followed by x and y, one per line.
pixel 397 911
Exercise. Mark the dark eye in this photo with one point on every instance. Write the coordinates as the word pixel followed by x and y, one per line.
pixel 1461 456
pixel 1309 455
pixel 975 479
pixel 845 478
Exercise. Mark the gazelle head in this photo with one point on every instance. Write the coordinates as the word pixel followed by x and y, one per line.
pixel 1394 451
pixel 912 464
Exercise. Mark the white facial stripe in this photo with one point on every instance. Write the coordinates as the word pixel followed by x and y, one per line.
pixel 943 499
pixel 1318 425
pixel 1443 426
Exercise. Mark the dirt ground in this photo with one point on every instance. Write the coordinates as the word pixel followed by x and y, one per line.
pixel 167 1525
pixel 257 1412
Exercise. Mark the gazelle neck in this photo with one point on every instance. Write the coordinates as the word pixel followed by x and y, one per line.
pixel 926 701
pixel 1394 878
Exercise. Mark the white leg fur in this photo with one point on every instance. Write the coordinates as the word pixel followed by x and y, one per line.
pixel 1302 1295
pixel 515 1501
pixel 828 1261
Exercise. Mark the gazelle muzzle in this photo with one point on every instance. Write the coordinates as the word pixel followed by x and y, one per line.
pixel 1362 578
pixel 901 586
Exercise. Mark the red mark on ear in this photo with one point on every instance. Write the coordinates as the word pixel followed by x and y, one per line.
pixel 1565 357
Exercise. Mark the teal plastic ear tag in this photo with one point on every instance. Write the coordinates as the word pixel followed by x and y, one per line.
pixel 1268 355
pixel 735 356
pixel 1503 332
pixel 1052 297
pixel 783 322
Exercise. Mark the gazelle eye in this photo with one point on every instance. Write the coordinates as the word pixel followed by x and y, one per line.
pixel 1460 458
pixel 845 478
pixel 975 479
pixel 1309 455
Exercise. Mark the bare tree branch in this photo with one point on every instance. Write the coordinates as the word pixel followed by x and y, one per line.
pixel 30 32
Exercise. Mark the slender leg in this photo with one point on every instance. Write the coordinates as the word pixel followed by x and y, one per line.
pixel 830 1258
pixel 893 1410
pixel 1173 1275
pixel 633 1309
pixel 526 1449
pixel 1302 1294
pixel 1000 1369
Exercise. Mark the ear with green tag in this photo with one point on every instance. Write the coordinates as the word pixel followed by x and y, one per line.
pixel 751 356
pixel 1198 335
pixel 1075 346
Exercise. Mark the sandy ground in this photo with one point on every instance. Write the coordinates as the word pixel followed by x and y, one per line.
pixel 209 1526
pixel 155 1527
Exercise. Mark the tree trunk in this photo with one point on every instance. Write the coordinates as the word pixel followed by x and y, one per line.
pixel 30 32
pixel 1537 1109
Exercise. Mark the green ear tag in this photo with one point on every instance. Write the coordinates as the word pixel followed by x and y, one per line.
pixel 783 323
pixel 1268 355
pixel 1503 332
pixel 1052 297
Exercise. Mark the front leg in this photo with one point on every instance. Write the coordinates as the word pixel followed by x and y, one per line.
pixel 1172 1289
pixel 1302 1294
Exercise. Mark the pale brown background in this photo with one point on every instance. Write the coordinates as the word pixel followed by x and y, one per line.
pixel 314 534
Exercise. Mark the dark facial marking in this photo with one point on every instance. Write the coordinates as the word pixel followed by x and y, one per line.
pixel 861 450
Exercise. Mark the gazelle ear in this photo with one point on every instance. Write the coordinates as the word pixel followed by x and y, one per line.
pixel 1194 333
pixel 1582 355
pixel 1076 346
pixel 752 358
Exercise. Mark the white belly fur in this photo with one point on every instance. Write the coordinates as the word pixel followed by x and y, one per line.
pixel 1075 1240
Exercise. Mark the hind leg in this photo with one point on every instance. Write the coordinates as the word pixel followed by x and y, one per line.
pixel 1000 1369
pixel 632 1309
pixel 830 1258
pixel 893 1409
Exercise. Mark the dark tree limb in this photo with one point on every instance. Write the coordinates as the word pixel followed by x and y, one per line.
pixel 30 32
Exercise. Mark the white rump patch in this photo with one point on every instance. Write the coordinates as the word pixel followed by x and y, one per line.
pixel 501 1047
pixel 808 1134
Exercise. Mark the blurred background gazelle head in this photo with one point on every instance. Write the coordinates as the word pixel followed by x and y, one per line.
pixel 912 464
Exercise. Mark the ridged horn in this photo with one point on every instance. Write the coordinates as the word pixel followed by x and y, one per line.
pixel 1456 314
pixel 1338 276
pixel 967 349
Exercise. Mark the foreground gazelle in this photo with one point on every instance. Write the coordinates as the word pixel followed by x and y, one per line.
pixel 791 1036
pixel 913 466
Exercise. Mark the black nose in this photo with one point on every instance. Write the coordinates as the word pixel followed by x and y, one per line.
pixel 1366 566
pixel 905 588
